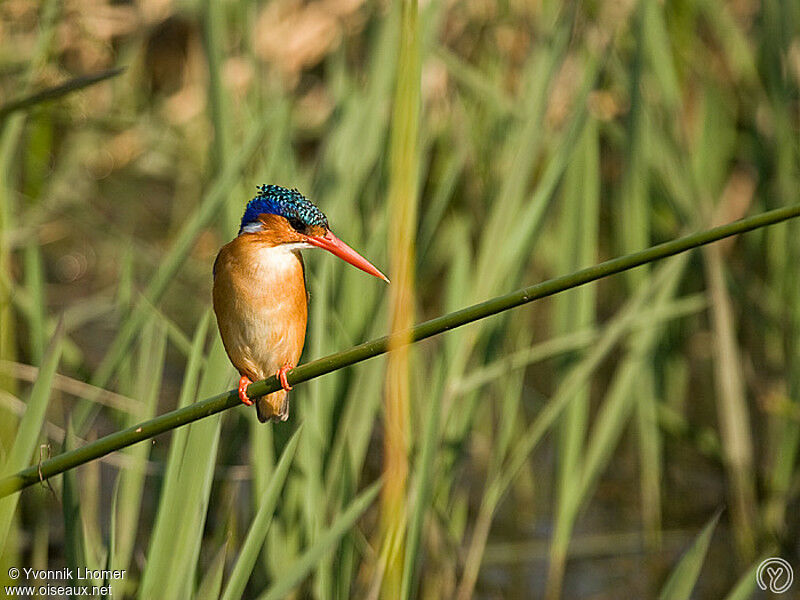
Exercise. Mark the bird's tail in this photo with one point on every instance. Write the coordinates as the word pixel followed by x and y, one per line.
pixel 274 406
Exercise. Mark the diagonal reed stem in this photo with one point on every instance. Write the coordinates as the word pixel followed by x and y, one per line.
pixel 209 406
pixel 53 93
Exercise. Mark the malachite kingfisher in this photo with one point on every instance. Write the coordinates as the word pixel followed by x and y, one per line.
pixel 260 296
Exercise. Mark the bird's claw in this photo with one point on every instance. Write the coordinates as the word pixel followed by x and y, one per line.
pixel 282 376
pixel 243 383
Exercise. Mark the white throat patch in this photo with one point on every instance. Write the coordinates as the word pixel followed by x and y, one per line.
pixel 279 258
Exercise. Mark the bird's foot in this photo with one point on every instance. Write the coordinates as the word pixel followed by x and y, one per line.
pixel 243 383
pixel 282 376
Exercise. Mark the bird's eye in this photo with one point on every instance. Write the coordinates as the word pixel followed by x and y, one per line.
pixel 297 225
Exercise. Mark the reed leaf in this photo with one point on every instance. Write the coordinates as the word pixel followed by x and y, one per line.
pixel 294 573
pixel 260 525
pixel 684 576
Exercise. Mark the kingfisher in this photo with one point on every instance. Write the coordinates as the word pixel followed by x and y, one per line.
pixel 260 295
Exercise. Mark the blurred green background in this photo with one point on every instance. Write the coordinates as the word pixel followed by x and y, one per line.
pixel 573 448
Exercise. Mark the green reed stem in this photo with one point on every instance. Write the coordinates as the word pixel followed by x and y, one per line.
pixel 209 406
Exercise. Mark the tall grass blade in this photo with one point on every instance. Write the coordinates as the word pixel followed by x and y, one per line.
pixel 75 543
pixel 37 319
pixel 221 148
pixel 112 541
pixel 575 311
pixel 9 142
pixel 149 371
pixel 746 585
pixel 211 584
pixel 297 571
pixel 403 171
pixel 684 576
pixel 172 559
pixel 30 428
pixel 172 495
pixel 732 408
pixel 260 525
pixel 634 232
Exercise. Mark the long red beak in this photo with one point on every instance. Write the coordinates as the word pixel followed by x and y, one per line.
pixel 334 245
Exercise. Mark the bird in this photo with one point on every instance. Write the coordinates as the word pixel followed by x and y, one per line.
pixel 259 291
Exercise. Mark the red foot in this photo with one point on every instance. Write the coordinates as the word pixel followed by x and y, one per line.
pixel 282 376
pixel 243 383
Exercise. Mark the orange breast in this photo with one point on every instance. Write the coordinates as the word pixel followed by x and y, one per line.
pixel 261 305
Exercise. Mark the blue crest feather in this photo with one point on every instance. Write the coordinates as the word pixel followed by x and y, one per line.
pixel 277 200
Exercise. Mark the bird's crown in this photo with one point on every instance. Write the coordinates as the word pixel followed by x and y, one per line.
pixel 290 204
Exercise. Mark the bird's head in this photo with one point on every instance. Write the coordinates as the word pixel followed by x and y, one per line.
pixel 283 217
